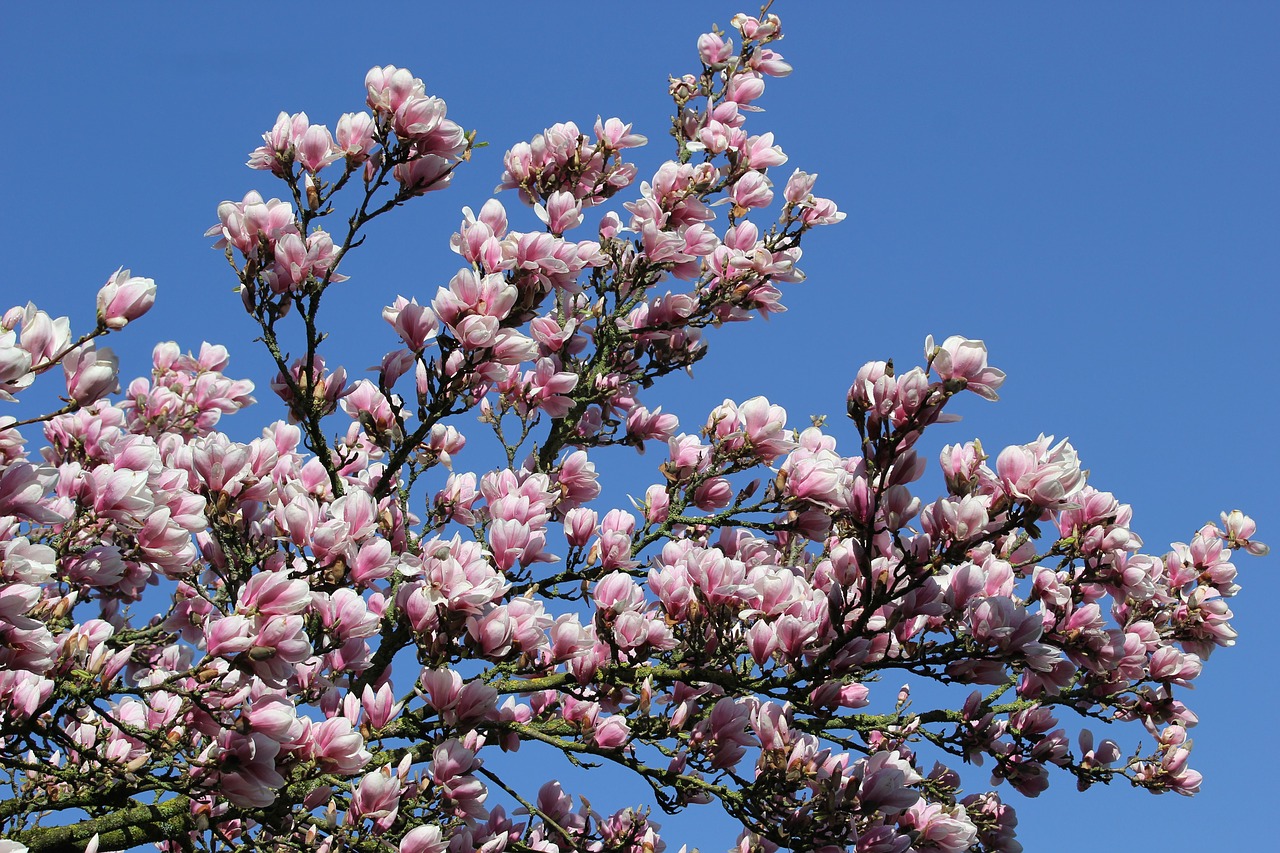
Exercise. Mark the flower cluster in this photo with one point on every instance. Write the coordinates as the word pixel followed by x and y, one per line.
pixel 323 637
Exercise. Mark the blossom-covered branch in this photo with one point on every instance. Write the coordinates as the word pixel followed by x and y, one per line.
pixel 320 638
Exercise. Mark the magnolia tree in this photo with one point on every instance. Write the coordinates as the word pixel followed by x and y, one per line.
pixel 322 639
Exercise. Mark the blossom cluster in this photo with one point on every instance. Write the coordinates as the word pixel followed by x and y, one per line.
pixel 322 637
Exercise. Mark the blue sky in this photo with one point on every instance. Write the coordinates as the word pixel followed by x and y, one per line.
pixel 1092 189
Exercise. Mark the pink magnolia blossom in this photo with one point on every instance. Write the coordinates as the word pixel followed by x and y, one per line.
pixel 389 87
pixel 1046 476
pixel 91 373
pixel 124 298
pixel 427 173
pixel 423 839
pixel 376 797
pixel 336 745
pixel 965 361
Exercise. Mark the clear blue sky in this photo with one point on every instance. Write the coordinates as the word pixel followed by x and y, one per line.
pixel 1091 188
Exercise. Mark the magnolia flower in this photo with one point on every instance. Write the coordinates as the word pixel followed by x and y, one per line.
pixel 124 298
